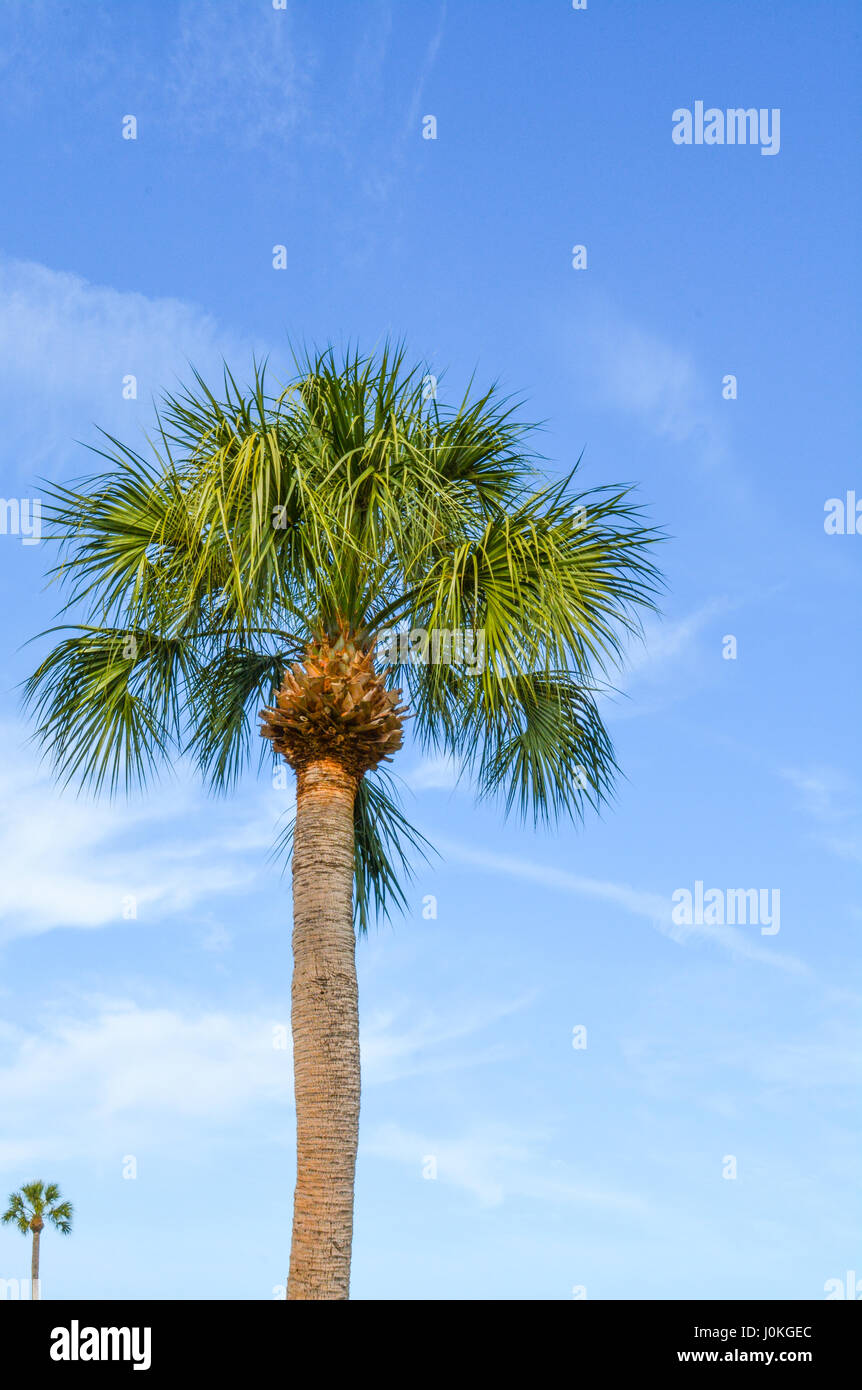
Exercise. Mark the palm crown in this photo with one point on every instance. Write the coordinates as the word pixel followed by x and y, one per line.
pixel 346 505
pixel 37 1203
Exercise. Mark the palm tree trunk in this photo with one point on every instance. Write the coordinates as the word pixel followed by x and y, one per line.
pixel 34 1264
pixel 325 1017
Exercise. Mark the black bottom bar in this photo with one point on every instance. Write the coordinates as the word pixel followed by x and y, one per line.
pixel 87 1339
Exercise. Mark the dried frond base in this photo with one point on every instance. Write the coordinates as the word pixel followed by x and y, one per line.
pixel 336 706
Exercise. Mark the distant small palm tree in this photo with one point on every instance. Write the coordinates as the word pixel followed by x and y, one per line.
pixel 29 1208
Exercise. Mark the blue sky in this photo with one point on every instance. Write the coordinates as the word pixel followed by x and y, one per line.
pixel 558 1168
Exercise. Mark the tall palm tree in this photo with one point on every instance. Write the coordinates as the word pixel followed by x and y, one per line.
pixel 259 559
pixel 29 1208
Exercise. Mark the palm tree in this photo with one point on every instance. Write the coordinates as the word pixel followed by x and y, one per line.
pixel 29 1208
pixel 260 558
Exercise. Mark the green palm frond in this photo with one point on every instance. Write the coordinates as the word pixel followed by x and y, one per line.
pixel 232 688
pixel 16 1213
pixel 384 848
pixel 551 756
pixel 108 703
pixel 60 1215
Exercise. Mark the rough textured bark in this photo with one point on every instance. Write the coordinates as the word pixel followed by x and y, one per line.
pixel 325 1018
pixel 36 1226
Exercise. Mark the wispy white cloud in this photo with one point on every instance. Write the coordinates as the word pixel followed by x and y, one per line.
pixel 825 793
pixel 94 1082
pixel 706 1072
pixel 399 1043
pixel 649 906
pixel 664 643
pixel 66 346
pixel 415 110
pixel 95 1076
pixel 76 862
pixel 433 774
pixel 828 1058
pixel 845 846
pixel 216 938
pixel 830 798
pixel 629 368
pixel 238 71
pixel 224 68
pixel 665 664
pixel 496 1162
pixel 372 92
pixel 36 37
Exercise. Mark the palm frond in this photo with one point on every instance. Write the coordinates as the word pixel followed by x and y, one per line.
pixel 384 845
pixel 16 1213
pixel 232 688
pixel 60 1215
pixel 108 704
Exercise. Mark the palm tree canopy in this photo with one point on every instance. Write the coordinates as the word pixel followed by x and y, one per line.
pixel 35 1199
pixel 349 501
